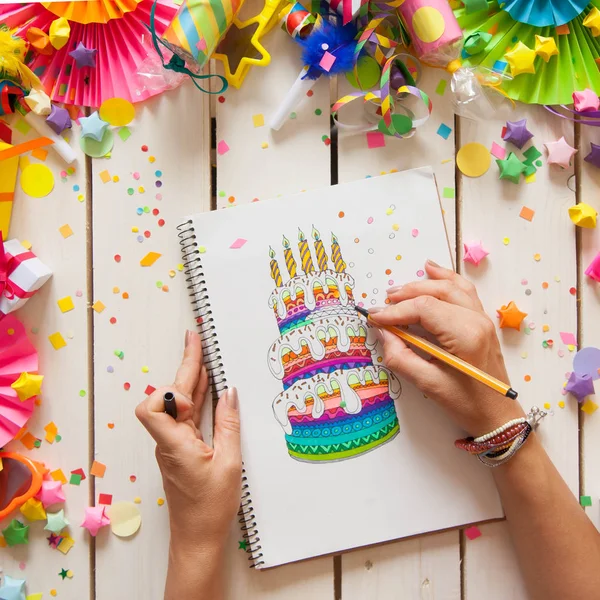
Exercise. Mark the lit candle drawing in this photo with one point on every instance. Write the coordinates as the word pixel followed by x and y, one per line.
pixel 320 250
pixel 336 255
pixel 305 257
pixel 290 262
pixel 275 272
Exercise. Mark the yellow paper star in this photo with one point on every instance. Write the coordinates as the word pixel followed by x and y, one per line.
pixel 545 47
pixel 593 21
pixel 520 59
pixel 27 386
pixel 583 215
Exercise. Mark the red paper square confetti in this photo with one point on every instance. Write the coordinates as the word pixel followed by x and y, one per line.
pixel 105 499
pixel 149 390
pixel 473 532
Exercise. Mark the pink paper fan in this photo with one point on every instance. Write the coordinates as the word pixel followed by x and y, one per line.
pixel 17 355
pixel 123 46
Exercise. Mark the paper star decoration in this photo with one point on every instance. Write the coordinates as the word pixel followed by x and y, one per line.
pixel 54 540
pixel 59 119
pixel 517 133
pixel 545 47
pixel 16 533
pixel 12 589
pixel 593 21
pixel 33 510
pixel 95 519
pixel 51 493
pixel 56 521
pixel 511 317
pixel 586 101
pixel 93 126
pixel 64 574
pixel 593 271
pixel 59 32
pixel 27 386
pixel 520 59
pixel 580 386
pixel 474 253
pixel 583 215
pixel 84 57
pixel 511 168
pixel 560 153
pixel 594 156
pixel 38 102
pixel 242 545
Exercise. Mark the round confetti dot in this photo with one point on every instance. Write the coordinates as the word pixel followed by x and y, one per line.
pixel 110 425
pixel 293 115
pixel 158 173
pixel 545 285
pixel 537 257
pixel 373 301
pixel 158 196
pixel 141 189
pixel 391 282
pixel 140 238
pixel 113 320
pixel 371 251
pixel 117 258
pixel 547 405
pixel 538 163
pixel 369 220
pixel 145 369
pixel 132 478
pixel 363 295
pixel 524 281
pixel 420 273
pixel 97 149
pixel 82 393
pixel 310 93
pixel 130 191
pixel 116 290
pixel 147 234
pixel 37 180
pixel 126 386
pixel 341 214
pixel 63 174
pixel 118 112
pixel 172 273
pixel 573 291
pixel 415 233
pixel 369 275
pixel 356 240
pixel 136 175
pixel 159 284
pixel 231 199
pixel 506 241
pixel 264 145
pixel 221 99
pixel 398 257
pixel 125 296
pixel 369 73
pixel 351 265
pixel 165 288
pixel 388 271
pixel 146 209
pixel 155 212
pixel 139 211
pixel 110 369
pixel 80 198
pixel 392 236
pixel 161 222
pixel 428 24
pixel 53 592
pixel 524 354
pixel 327 142
pixel 137 500
pixel 151 159
pixel 158 184
pixel 527 378
pixel 561 404
pixel 473 159
pixel 115 178
pixel 528 292
pixel 395 227
pixel 75 188
pixel 202 249
pixel 376 291
pixel 160 501
pixel 22 566
pixel 318 112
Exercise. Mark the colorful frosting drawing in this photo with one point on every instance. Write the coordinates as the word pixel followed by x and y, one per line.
pixel 337 401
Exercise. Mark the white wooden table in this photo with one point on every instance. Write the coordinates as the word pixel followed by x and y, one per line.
pixel 181 130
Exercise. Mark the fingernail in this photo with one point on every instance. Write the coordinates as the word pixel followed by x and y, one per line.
pixel 188 336
pixel 232 398
pixel 375 309
pixel 393 289
pixel 432 263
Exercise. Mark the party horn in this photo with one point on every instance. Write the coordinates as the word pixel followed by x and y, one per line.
pixel 8 182
pixel 292 100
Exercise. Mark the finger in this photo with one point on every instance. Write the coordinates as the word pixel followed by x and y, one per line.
pixel 189 370
pixel 161 426
pixel 227 430
pixel 199 396
pixel 434 271
pixel 442 290
pixel 398 357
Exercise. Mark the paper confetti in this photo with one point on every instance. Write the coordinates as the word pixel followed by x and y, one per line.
pixel 98 306
pixel 57 340
pixel 104 176
pixel 51 431
pixel 150 259
pixel 498 151
pixel 98 469
pixel 125 518
pixel 222 147
pixel 65 304
pixel 473 532
pixel 444 131
pixel 327 61
pixel 375 139
pixel 238 243
pixel 527 213
pixel 258 120
pixel 568 338
pixel 65 231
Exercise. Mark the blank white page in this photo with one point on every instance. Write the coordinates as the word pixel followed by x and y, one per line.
pixel 416 482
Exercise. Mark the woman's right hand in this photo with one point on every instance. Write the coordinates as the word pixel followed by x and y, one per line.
pixel 447 306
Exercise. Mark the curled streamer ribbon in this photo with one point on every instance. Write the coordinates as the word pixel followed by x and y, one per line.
pixel 5 284
pixel 591 118
pixel 177 64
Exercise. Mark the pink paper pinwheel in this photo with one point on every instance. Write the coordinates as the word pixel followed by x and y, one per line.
pixel 17 355
pixel 123 48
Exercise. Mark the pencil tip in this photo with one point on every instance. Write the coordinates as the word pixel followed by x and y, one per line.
pixel 362 311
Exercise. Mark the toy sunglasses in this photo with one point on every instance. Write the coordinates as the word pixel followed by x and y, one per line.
pixel 20 479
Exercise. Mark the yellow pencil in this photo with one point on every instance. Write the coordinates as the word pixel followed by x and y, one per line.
pixel 458 363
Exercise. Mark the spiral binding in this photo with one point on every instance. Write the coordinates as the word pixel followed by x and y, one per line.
pixel 198 292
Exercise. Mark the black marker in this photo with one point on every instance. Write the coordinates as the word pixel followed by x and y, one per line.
pixel 170 405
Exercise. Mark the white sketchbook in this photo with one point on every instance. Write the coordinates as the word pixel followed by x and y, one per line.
pixel 338 453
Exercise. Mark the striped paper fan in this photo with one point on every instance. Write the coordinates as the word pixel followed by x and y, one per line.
pixel 554 82
pixel 91 11
pixel 122 45
pixel 17 355
pixel 542 13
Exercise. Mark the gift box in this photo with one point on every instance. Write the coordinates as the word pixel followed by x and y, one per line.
pixel 22 274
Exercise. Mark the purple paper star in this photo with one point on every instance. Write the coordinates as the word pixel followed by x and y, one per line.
pixel 594 156
pixel 54 540
pixel 517 133
pixel 84 57
pixel 58 119
pixel 580 386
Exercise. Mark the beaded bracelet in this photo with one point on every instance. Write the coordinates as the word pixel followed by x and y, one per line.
pixel 497 447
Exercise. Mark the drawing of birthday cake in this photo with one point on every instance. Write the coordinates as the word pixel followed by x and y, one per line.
pixel 337 401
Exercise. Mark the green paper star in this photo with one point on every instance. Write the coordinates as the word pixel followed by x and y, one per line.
pixel 242 545
pixel 511 168
pixel 16 533
pixel 56 521
pixel 64 574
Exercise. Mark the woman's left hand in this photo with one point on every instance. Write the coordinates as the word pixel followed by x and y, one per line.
pixel 202 484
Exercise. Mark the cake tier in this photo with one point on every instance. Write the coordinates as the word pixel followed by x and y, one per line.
pixel 345 436
pixel 329 396
pixel 295 303
pixel 325 346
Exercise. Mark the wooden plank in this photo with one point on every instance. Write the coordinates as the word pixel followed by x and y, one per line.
pixel 150 324
pixel 428 567
pixel 589 292
pixel 296 158
pixel 66 370
pixel 490 212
